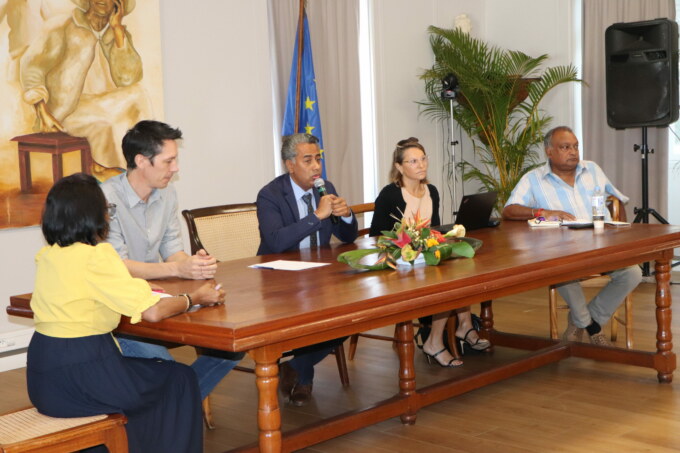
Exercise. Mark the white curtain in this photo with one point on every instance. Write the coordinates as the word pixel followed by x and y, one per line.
pixel 334 32
pixel 612 149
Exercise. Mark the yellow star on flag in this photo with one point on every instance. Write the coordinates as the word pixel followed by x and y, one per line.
pixel 321 154
pixel 309 128
pixel 309 104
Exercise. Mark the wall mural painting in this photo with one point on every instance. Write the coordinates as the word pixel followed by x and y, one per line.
pixel 73 73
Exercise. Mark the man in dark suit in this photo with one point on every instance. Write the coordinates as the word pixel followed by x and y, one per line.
pixel 293 216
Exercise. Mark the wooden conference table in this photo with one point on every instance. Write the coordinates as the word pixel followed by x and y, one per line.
pixel 268 312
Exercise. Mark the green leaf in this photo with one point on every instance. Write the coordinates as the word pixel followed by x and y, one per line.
pixel 430 258
pixel 353 259
pixel 505 127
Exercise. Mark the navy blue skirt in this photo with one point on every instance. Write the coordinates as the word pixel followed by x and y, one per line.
pixel 78 377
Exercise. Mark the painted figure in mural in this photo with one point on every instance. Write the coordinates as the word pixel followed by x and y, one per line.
pixel 24 19
pixel 81 76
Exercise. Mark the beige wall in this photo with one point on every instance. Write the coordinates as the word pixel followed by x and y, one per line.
pixel 217 88
pixel 218 91
pixel 402 52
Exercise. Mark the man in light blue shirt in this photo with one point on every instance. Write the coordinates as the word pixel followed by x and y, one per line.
pixel 562 190
pixel 145 231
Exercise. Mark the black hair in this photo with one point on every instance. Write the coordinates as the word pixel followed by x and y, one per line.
pixel 75 211
pixel 146 138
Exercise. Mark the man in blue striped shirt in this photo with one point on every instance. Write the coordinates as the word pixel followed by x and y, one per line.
pixel 562 190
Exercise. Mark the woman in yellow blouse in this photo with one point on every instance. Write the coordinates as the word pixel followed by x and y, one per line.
pixel 75 367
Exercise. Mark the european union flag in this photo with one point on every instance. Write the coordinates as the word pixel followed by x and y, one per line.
pixel 309 118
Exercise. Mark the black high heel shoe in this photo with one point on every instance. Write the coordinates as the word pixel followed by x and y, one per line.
pixel 421 335
pixel 479 345
pixel 451 363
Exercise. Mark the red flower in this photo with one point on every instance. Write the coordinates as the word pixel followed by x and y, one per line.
pixel 402 239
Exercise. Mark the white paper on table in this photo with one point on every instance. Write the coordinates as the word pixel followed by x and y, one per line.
pixel 286 265
pixel 534 223
pixel 617 223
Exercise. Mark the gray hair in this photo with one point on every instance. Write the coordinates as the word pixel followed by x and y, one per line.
pixel 290 142
pixel 547 140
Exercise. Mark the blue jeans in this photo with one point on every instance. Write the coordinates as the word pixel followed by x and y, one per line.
pixel 209 370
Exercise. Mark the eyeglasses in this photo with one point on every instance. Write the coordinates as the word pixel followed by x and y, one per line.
pixel 414 162
pixel 112 210
pixel 567 147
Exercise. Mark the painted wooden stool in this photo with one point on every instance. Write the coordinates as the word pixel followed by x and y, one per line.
pixel 27 430
pixel 55 143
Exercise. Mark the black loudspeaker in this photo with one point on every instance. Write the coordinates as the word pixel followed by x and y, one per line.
pixel 642 73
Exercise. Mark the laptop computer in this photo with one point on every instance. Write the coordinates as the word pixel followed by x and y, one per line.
pixel 474 212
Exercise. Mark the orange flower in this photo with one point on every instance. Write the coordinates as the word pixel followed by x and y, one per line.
pixel 437 235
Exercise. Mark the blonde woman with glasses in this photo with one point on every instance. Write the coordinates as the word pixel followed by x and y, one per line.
pixel 407 194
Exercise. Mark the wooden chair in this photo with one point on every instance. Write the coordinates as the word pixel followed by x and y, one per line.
pixel 227 232
pixel 363 208
pixel 28 431
pixel 598 280
pixel 230 232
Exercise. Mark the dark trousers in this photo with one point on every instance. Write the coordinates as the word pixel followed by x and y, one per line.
pixel 78 377
pixel 304 359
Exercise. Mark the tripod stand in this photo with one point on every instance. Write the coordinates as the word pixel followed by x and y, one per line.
pixel 454 168
pixel 642 214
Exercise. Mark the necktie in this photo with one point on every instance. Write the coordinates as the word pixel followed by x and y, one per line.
pixel 307 198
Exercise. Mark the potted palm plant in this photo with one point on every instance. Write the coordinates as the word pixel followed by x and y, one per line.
pixel 498 97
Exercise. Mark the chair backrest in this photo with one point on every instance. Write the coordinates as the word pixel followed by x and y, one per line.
pixel 227 232
pixel 362 209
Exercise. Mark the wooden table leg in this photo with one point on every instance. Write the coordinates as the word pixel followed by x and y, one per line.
pixel 268 412
pixel 407 371
pixel 665 364
pixel 25 170
pixel 57 167
pixel 86 160
pixel 487 320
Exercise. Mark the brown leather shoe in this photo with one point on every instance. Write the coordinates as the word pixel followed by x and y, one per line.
pixel 287 378
pixel 301 395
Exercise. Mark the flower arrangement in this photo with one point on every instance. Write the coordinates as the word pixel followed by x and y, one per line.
pixel 411 239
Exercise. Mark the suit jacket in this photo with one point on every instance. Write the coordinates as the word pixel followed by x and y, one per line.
pixel 391 202
pixel 282 229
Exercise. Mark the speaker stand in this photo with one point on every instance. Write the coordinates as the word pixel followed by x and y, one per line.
pixel 642 214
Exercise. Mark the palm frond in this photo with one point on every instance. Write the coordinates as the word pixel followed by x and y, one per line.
pixel 499 92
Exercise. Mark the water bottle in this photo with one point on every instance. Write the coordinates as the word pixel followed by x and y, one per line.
pixel 598 208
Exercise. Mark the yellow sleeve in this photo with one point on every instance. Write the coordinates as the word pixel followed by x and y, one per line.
pixel 112 285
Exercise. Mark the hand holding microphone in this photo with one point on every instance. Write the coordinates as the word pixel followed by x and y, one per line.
pixel 320 185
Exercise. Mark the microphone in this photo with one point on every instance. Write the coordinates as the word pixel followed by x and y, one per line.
pixel 320 185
